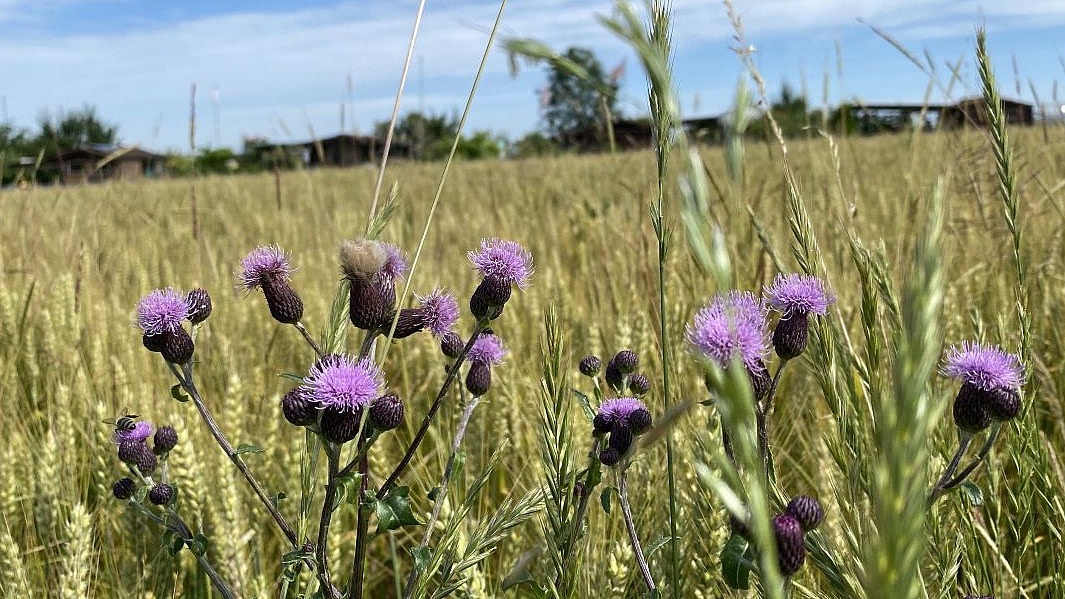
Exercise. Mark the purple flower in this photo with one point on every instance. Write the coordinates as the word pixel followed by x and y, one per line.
pixel 618 410
pixel 504 260
pixel 984 366
pixel 140 431
pixel 795 293
pixel 439 311
pixel 161 311
pixel 341 383
pixel 395 265
pixel 488 349
pixel 731 325
pixel 264 263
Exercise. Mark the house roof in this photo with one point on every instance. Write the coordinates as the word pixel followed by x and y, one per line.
pixel 101 151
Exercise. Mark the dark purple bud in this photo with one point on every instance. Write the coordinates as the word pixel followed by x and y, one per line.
pixel 165 440
pixel 199 303
pixel 285 304
pixel 177 346
pixel 451 344
pixel 371 303
pixel 590 365
pixel 489 298
pixel 807 511
pixel 146 460
pixel 340 427
pixel 153 342
pixel 609 456
pixel 791 548
pixel 386 412
pixel 297 409
pixel 789 337
pixel 760 379
pixel 639 385
pixel 626 361
pixel 479 378
pixel 411 320
pixel 161 494
pixel 601 424
pixel 1003 404
pixel 620 439
pixel 970 408
pixel 614 377
pixel 639 421
pixel 124 488
pixel 130 451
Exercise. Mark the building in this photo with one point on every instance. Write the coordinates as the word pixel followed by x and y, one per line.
pixel 344 149
pixel 91 163
pixel 875 118
pixel 635 134
pixel 973 112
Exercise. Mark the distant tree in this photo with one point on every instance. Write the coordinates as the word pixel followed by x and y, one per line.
pixel 14 144
pixel 790 112
pixel 75 128
pixel 575 97
pixel 429 135
pixel 481 144
pixel 534 144
pixel 216 160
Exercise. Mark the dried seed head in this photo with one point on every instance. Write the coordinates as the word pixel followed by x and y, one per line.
pixel 340 427
pixel 161 494
pixel 386 412
pixel 807 511
pixel 791 548
pixel 124 488
pixel 362 258
pixel 198 302
pixel 789 337
pixel 165 440
pixel 639 385
pixel 297 409
pixel 285 304
pixel 590 365
pixel 479 378
pixel 451 344
pixel 970 408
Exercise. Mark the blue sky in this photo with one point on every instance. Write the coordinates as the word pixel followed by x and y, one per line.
pixel 280 69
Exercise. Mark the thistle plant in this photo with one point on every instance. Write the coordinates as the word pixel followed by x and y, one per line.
pixel 343 401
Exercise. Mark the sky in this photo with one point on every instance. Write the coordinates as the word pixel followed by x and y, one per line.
pixel 281 69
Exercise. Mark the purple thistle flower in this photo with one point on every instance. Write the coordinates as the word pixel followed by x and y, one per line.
pixel 161 311
pixel 985 366
pixel 264 263
pixel 440 310
pixel 395 265
pixel 618 410
pixel 140 431
pixel 731 325
pixel 507 261
pixel 488 349
pixel 794 293
pixel 341 383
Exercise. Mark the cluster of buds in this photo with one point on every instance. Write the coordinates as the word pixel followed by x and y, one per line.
pixel 487 351
pixel 991 380
pixel 620 419
pixel 620 372
pixel 160 315
pixel 803 514
pixel 131 440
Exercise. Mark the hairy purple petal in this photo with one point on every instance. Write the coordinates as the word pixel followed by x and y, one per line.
pixel 793 292
pixel 342 383
pixel 140 432
pixel 618 409
pixel 731 325
pixel 440 311
pixel 162 310
pixel 986 366
pixel 264 262
pixel 488 349
pixel 395 265
pixel 505 260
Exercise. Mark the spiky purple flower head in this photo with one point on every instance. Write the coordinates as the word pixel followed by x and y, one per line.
pixel 342 383
pixel 140 431
pixel 732 325
pixel 488 349
pixel 264 263
pixel 619 409
pixel 161 311
pixel 794 293
pixel 440 310
pixel 395 265
pixel 985 366
pixel 504 260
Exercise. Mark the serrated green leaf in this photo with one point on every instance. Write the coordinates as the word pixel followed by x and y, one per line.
pixel 248 448
pixel 198 544
pixel 176 545
pixel 421 558
pixel 178 393
pixel 586 405
pixel 393 510
pixel 973 492
pixel 604 498
pixel 656 545
pixel 433 493
pixel 735 568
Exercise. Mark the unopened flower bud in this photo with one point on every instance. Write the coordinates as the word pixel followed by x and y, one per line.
pixel 479 378
pixel 451 344
pixel 199 303
pixel 178 346
pixel 639 385
pixel 791 547
pixel 297 409
pixel 161 494
pixel 165 440
pixel 124 488
pixel 639 421
pixel 807 511
pixel 386 412
pixel 1003 404
pixel 590 365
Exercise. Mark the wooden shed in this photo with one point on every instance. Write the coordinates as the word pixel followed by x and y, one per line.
pixel 91 163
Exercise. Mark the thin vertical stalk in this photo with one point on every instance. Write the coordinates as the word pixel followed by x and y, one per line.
pixel 623 494
pixel 175 524
pixel 322 548
pixel 358 567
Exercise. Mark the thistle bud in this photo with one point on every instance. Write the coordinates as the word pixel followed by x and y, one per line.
pixel 489 298
pixel 165 440
pixel 178 346
pixel 199 304
pixel 411 321
pixel 386 412
pixel 621 439
pixel 451 344
pixel 371 303
pixel 161 494
pixel 609 456
pixel 791 547
pixel 340 427
pixel 590 365
pixel 807 511
pixel 790 335
pixel 124 488
pixel 153 342
pixel 146 460
pixel 479 378
pixel 614 377
pixel 626 361
pixel 1003 404
pixel 285 304
pixel 297 409
pixel 760 379
pixel 970 408
pixel 639 385
pixel 639 421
